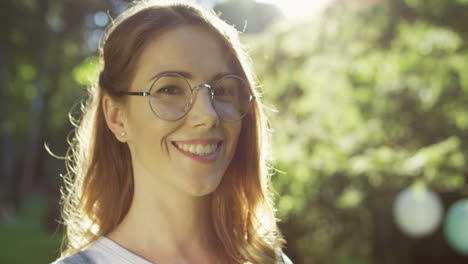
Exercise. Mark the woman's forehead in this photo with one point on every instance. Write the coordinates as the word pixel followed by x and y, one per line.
pixel 192 49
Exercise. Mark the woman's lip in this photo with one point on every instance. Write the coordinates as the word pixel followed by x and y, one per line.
pixel 201 158
pixel 203 141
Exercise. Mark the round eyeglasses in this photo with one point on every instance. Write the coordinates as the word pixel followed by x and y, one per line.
pixel 171 97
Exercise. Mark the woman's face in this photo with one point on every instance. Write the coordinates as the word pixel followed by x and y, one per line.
pixel 157 146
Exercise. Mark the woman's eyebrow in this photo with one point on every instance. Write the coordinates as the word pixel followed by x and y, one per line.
pixel 188 75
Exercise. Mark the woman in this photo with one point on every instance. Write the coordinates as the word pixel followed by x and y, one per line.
pixel 168 161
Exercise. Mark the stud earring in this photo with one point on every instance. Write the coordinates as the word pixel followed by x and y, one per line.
pixel 122 134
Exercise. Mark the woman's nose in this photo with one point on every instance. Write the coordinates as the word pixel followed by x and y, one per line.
pixel 203 112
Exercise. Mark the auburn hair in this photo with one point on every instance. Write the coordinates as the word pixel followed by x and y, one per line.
pixel 99 184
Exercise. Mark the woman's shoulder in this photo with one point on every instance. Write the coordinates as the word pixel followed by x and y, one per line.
pixel 89 255
pixel 80 257
pixel 103 251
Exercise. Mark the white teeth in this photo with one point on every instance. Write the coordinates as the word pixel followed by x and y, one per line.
pixel 198 148
pixel 192 148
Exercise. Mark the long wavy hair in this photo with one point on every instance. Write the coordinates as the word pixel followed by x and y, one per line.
pixel 99 184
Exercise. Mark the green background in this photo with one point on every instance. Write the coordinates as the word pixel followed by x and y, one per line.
pixel 364 100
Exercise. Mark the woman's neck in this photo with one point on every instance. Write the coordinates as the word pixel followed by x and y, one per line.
pixel 167 226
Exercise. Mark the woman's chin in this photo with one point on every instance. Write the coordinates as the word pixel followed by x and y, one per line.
pixel 200 189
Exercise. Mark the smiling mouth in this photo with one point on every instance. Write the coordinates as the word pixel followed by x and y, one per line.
pixel 198 149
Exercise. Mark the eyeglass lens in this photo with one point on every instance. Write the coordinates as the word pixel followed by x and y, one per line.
pixel 170 97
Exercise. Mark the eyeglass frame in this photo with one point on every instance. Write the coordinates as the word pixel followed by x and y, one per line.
pixel 192 89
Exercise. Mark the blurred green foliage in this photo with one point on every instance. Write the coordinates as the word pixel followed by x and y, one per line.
pixel 370 99
pixel 368 102
pixel 24 240
pixel 45 65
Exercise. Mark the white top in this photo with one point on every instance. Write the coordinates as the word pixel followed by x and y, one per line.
pixel 104 251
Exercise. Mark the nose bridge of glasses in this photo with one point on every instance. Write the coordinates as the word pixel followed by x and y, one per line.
pixel 207 96
pixel 200 87
pixel 203 85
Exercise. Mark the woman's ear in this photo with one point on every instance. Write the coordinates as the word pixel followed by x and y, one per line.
pixel 114 113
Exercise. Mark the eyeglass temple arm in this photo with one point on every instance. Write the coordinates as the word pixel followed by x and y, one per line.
pixel 135 93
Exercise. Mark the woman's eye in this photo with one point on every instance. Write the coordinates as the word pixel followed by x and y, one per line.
pixel 224 91
pixel 169 90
